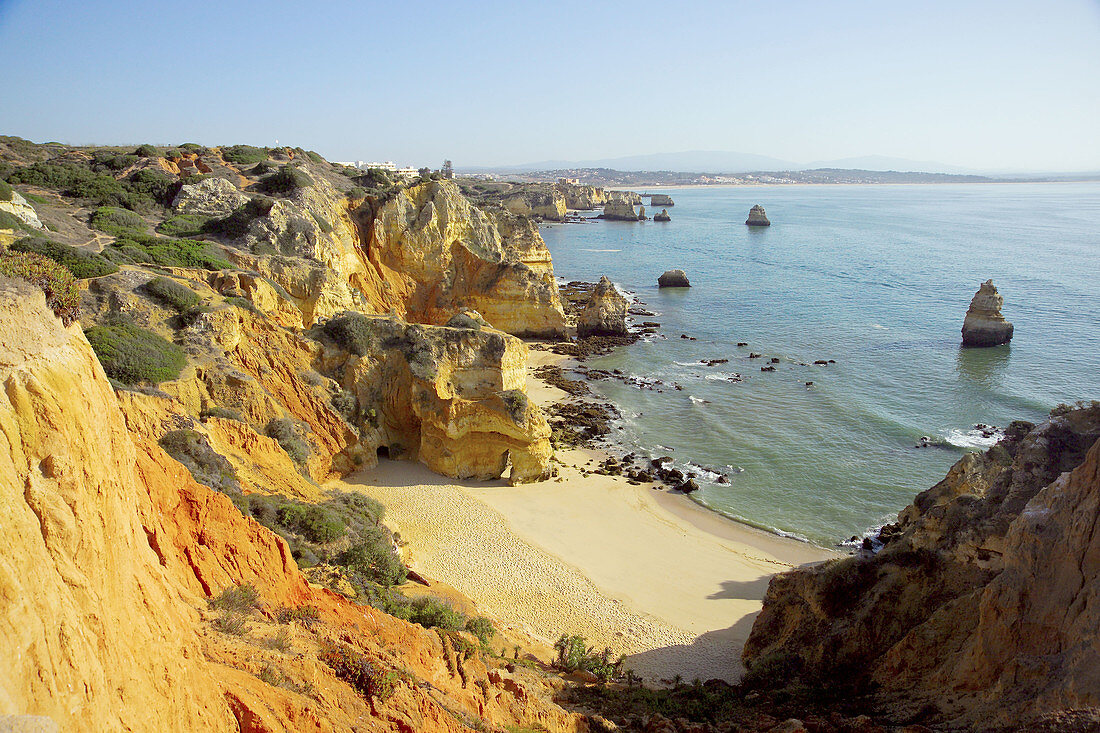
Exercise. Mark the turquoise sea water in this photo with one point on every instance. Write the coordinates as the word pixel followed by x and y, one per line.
pixel 877 278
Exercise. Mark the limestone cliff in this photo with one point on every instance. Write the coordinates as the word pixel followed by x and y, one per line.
pixel 981 608
pixel 984 325
pixel 443 396
pixel 111 551
pixel 423 253
pixel 540 200
pixel 619 210
pixel 584 198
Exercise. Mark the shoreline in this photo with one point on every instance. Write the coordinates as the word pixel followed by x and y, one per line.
pixel 652 575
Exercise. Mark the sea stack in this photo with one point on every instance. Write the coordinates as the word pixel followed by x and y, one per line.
pixel 757 217
pixel 605 313
pixel 984 325
pixel 619 210
pixel 641 213
pixel 673 279
pixel 663 216
pixel 660 199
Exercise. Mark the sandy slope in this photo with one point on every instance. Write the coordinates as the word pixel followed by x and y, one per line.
pixel 631 567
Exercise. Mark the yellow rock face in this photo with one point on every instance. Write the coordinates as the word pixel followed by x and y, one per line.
pixel 111 551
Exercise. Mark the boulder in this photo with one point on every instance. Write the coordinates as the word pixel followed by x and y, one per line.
pixel 660 199
pixel 663 216
pixel 673 279
pixel 984 325
pixel 209 197
pixel 619 210
pixel 757 217
pixel 605 313
pixel 21 210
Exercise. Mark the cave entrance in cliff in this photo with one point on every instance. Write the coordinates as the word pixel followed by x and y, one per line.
pixel 383 452
pixel 506 465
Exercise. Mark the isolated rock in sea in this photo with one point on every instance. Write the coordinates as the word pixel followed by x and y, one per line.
pixel 209 197
pixel 641 213
pixel 663 216
pixel 661 199
pixel 984 325
pixel 605 314
pixel 988 586
pixel 673 279
pixel 21 210
pixel 757 218
pixel 619 210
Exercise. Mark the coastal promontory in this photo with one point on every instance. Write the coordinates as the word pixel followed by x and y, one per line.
pixel 984 325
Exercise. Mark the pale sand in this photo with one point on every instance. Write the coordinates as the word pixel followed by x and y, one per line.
pixel 649 574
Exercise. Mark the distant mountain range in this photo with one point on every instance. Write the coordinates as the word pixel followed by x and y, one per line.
pixel 724 161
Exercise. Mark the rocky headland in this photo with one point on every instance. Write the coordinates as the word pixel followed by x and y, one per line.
pixel 984 325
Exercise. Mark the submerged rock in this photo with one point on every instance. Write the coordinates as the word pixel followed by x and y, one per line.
pixel 605 314
pixel 984 325
pixel 673 279
pixel 663 216
pixel 757 217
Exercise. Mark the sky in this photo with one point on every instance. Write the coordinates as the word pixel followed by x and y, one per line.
pixel 982 84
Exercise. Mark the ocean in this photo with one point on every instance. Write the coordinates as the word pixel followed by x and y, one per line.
pixel 876 278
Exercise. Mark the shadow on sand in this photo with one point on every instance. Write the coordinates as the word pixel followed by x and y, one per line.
pixel 715 654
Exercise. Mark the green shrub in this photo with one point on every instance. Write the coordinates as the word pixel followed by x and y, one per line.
pixel 157 185
pixel 183 225
pixel 315 157
pixel 62 295
pixel 482 628
pixel 351 332
pixel 285 431
pixel 312 522
pixel 432 612
pixel 284 181
pixel 307 616
pixel 146 151
pixel 232 623
pixel 344 402
pixel 132 355
pixel 322 223
pixel 149 249
pixel 573 655
pixel 373 557
pixel 176 296
pixel 244 154
pixel 117 222
pixel 353 668
pixel 81 264
pixel 279 642
pixel 173 155
pixel 206 465
pixel 192 148
pixel 357 193
pixel 222 412
pixel 242 598
pixel 6 191
pixel 237 223
pixel 9 220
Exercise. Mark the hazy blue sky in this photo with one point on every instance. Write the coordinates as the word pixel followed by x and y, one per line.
pixel 984 84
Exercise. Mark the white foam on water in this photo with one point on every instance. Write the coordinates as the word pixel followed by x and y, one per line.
pixel 601 250
pixel 975 438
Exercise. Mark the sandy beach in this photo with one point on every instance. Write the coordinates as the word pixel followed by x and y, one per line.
pixel 648 573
